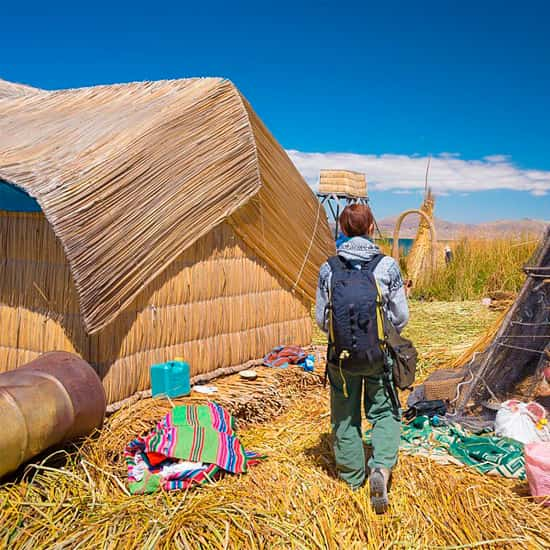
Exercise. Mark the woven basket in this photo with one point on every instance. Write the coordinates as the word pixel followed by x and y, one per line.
pixel 442 384
pixel 343 182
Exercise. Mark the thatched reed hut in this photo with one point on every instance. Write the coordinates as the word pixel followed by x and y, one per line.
pixel 144 221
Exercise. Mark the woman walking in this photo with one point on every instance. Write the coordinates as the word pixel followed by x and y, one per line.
pixel 364 384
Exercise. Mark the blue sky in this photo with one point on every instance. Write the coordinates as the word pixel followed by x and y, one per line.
pixel 344 84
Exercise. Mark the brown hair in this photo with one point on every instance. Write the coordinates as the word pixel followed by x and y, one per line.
pixel 356 220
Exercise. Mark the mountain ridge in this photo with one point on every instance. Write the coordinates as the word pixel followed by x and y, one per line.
pixel 446 230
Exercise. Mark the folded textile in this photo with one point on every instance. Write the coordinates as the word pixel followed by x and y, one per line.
pixel 489 455
pixel 191 445
pixel 282 356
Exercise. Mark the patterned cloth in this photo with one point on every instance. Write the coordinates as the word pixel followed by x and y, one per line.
pixel 489 455
pixel 191 445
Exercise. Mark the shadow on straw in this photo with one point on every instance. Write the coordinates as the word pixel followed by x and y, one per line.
pixel 322 455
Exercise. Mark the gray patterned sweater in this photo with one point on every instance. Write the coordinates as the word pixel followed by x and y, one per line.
pixel 387 273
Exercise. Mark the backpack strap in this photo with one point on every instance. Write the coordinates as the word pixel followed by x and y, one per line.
pixel 338 263
pixel 371 264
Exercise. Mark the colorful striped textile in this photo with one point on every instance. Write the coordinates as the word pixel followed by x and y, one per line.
pixel 191 445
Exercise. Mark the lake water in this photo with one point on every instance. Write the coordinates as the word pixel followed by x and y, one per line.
pixel 404 244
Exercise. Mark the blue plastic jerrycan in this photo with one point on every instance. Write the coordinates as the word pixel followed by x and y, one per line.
pixel 171 378
pixel 309 363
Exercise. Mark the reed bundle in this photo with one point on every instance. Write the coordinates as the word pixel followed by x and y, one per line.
pixel 218 305
pixel 419 259
pixel 444 331
pixel 480 344
pixel 343 182
pixel 131 176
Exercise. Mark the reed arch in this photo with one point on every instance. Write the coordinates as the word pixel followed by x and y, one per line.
pixel 397 229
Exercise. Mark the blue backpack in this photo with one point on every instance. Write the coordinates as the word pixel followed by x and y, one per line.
pixel 355 316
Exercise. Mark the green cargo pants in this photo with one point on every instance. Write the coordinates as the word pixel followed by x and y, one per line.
pixel 346 423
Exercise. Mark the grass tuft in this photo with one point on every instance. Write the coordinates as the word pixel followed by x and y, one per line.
pixel 479 267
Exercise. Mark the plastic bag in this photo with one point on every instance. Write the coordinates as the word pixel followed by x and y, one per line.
pixel 524 422
pixel 543 388
pixel 537 468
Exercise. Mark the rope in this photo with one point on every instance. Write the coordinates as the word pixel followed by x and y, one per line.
pixel 469 367
pixel 519 348
pixel 524 336
pixel 472 377
pixel 308 248
pixel 530 324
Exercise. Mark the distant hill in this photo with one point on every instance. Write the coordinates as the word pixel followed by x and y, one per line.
pixel 450 230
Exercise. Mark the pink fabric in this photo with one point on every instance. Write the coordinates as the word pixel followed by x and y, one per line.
pixel 537 467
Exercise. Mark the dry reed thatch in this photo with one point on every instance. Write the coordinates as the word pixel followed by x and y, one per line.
pixel 480 345
pixel 343 182
pixel 130 176
pixel 12 89
pixel 293 500
pixel 218 305
pixel 168 231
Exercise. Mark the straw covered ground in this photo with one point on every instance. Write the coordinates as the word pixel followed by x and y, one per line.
pixel 77 498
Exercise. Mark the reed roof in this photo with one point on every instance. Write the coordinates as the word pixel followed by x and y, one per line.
pixel 12 89
pixel 343 181
pixel 131 175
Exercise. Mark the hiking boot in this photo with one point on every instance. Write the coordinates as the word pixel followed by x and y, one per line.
pixel 378 481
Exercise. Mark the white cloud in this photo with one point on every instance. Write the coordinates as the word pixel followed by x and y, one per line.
pixel 497 158
pixel 448 172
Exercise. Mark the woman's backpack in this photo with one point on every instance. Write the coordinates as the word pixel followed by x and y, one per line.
pixel 360 335
pixel 354 310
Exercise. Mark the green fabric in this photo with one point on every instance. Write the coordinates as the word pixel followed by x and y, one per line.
pixel 149 484
pixel 488 454
pixel 200 415
pixel 197 444
pixel 349 452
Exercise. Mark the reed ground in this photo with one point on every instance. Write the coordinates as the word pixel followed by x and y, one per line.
pixel 293 499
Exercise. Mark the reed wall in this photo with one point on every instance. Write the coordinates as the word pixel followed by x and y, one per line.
pixel 217 305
